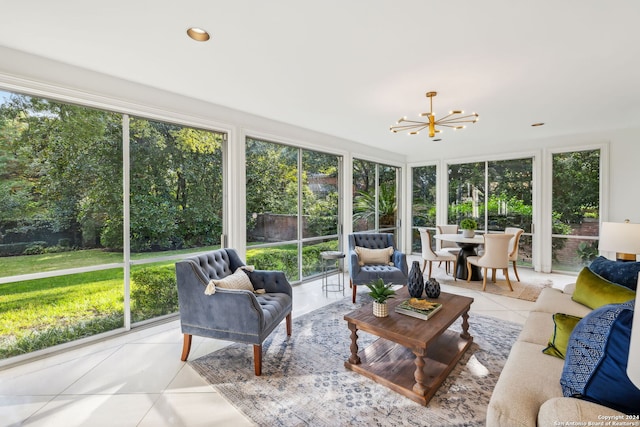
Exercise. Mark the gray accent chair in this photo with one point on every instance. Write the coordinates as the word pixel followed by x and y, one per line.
pixel 360 275
pixel 230 314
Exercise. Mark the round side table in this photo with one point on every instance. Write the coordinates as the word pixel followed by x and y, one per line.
pixel 331 258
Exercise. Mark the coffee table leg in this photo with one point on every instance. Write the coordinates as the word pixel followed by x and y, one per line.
pixel 465 325
pixel 418 375
pixel 354 359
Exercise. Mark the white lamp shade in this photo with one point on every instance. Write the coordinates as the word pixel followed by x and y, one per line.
pixel 633 365
pixel 622 237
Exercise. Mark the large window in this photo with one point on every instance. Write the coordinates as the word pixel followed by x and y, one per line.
pixel 423 202
pixel 176 203
pixel 64 270
pixel 576 209
pixel 375 197
pixel 292 207
pixel 498 194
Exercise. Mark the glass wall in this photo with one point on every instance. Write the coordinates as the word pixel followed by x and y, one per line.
pixel 375 197
pixel 423 202
pixel 467 193
pixel 292 207
pixel 60 189
pixel 576 209
pixel 497 194
pixel 176 204
pixel 62 222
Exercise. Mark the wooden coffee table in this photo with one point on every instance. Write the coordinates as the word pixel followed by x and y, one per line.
pixel 412 356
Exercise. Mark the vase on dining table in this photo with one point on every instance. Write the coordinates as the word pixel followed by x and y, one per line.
pixel 468 233
pixel 415 281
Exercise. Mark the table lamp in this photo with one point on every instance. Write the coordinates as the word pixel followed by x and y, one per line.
pixel 623 238
pixel 633 365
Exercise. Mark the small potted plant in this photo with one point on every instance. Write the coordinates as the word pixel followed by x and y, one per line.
pixel 380 292
pixel 468 227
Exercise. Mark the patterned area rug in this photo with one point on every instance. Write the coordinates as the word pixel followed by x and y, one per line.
pixel 304 381
pixel 527 289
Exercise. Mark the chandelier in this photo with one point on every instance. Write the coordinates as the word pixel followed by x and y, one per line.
pixel 454 119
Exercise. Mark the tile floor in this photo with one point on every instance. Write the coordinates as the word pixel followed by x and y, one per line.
pixel 137 379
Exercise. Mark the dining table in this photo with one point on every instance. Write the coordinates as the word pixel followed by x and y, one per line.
pixel 468 247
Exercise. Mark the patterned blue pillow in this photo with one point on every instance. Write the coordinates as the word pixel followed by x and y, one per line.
pixel 595 367
pixel 623 273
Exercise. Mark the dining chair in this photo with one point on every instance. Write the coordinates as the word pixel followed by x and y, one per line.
pixel 514 245
pixel 429 256
pixel 496 255
pixel 443 245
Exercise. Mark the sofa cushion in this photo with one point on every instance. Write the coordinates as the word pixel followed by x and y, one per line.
pixel 368 256
pixel 595 291
pixel 595 368
pixel 537 328
pixel 620 272
pixel 529 379
pixel 563 325
pixel 552 300
pixel 580 412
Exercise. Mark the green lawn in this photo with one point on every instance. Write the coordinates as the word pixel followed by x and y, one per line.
pixel 44 312
pixel 40 313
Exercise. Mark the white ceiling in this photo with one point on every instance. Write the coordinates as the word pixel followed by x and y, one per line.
pixel 350 68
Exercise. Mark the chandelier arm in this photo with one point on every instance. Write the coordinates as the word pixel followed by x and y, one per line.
pixel 447 125
pixel 445 117
pixel 454 123
pixel 413 121
pixel 463 119
pixel 409 127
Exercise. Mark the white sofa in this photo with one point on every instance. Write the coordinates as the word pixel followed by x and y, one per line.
pixel 528 392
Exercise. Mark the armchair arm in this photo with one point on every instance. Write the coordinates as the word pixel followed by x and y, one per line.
pixel 354 266
pixel 400 260
pixel 271 281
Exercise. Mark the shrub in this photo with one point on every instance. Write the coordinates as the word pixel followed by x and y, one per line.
pixel 35 248
pixel 468 224
pixel 153 292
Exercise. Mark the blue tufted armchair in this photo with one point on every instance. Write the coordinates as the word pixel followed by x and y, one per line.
pixel 230 314
pixel 393 271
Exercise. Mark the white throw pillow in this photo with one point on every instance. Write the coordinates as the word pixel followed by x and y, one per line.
pixel 237 280
pixel 368 256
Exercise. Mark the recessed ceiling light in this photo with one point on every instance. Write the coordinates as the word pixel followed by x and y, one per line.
pixel 198 34
pixel 538 124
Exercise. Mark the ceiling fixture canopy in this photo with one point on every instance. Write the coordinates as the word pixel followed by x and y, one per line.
pixel 454 119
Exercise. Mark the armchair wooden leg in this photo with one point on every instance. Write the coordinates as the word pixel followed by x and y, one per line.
pixel 430 267
pixel 454 273
pixel 515 270
pixel 484 278
pixel 257 359
pixel 468 271
pixel 353 297
pixel 424 266
pixel 493 275
pixel 186 347
pixel 288 321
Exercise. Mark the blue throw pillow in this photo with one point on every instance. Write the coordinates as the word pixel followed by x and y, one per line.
pixel 623 273
pixel 595 367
